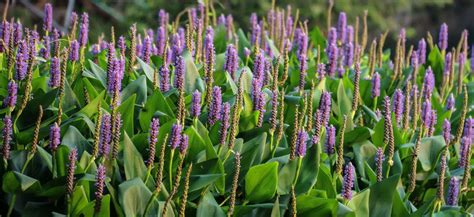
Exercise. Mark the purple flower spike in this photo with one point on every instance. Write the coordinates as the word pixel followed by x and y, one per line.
pixel 453 192
pixel 48 18
pixel 398 105
pixel 54 137
pixel 147 49
pixel 332 36
pixel 303 68
pixel 55 73
pixel 154 129
pixel 10 100
pixel 179 73
pixel 7 136
pixel 465 145
pixel 215 107
pixel 71 168
pixel 447 131
pixel 100 182
pixel 231 60
pixel 450 102
pixel 259 66
pixel 330 139
pixel 225 123
pixel 325 107
pixel 105 135
pixel 443 37
pixel 332 56
pixel 183 146
pixel 376 85
pixel 84 30
pixel 348 182
pixel 348 54
pixel 468 128
pixel 21 66
pixel 165 78
pixel 301 143
pixel 422 51
pixel 196 104
pixel 350 34
pixel 415 60
pixel 428 83
pixel 341 27
pixel 302 45
pixel 121 45
pixel 161 40
pixel 255 39
pixel 379 158
pixel 175 139
pixel 74 51
pixel 426 113
pixel 321 71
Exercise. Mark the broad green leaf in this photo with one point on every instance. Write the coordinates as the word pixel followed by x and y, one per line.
pixel 133 161
pixel 259 176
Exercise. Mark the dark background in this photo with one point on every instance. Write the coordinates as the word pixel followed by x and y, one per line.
pixel 417 16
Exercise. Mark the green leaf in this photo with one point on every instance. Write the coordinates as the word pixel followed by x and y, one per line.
pixel 259 176
pixel 381 196
pixel 156 106
pixel 14 182
pixel 209 207
pixel 360 203
pixel 307 205
pixel 78 200
pixel 133 197
pixel 97 73
pixel 309 170
pixel 430 149
pixel 147 69
pixel 133 161
pixel 192 77
pixel 138 88
pixel 126 110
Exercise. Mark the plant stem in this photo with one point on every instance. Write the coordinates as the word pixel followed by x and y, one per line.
pixel 170 169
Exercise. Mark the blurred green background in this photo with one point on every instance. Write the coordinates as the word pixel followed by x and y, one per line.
pixel 417 17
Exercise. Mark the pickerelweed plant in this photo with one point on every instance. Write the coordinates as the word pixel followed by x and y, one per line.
pixel 197 117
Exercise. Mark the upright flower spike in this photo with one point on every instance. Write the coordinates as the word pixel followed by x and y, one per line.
pixel 214 114
pixel 303 68
pixel 259 66
pixel 450 101
pixel 74 51
pixel 341 27
pixel 447 131
pixel 301 143
pixel 105 135
pixel 453 192
pixel 179 73
pixel 84 30
pixel 325 107
pixel 152 140
pixel 165 78
pixel 379 158
pixel 55 73
pixel 10 99
pixel 330 139
pixel 348 182
pixel 422 51
pixel 225 123
pixel 196 104
pixel 21 64
pixel 443 37
pixel 183 145
pixel 465 145
pixel 398 104
pixel 7 136
pixel 100 182
pixel 302 46
pixel 428 83
pixel 348 55
pixel 147 49
pixel 54 137
pixel 231 60
pixel 175 139
pixel 332 36
pixel 332 59
pixel 375 85
pixel 426 113
pixel 70 174
pixel 388 130
pixel 121 45
pixel 48 18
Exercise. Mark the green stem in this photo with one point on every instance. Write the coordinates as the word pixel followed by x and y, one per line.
pixel 148 205
pixel 298 170
pixel 375 103
pixel 170 169
pixel 12 204
pixel 89 164
pixel 148 173
pixel 272 145
pixel 54 165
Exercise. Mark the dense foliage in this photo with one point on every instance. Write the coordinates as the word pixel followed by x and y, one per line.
pixel 208 120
